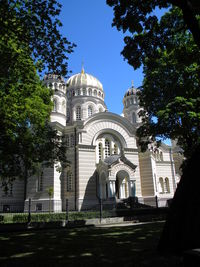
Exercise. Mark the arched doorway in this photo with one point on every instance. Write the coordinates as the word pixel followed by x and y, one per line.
pixel 122 184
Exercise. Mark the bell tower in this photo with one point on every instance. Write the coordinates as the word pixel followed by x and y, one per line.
pixel 131 105
pixel 57 84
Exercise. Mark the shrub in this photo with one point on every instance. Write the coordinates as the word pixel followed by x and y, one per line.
pixel 47 217
pixel 1 218
pixel 83 215
pixel 7 218
pixel 20 218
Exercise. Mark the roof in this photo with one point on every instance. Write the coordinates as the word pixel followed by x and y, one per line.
pixel 115 159
pixel 84 80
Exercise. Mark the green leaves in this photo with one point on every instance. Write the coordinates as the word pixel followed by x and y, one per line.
pixel 36 23
pixel 171 60
pixel 29 41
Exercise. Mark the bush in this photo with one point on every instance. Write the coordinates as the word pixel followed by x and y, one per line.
pixel 83 215
pixel 6 218
pixel 47 217
pixel 1 218
pixel 52 217
pixel 20 218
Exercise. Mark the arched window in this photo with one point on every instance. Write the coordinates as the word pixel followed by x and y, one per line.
pixel 100 109
pixel 90 91
pixel 63 106
pixel 100 151
pixel 99 94
pixel 84 91
pixel 115 149
pixel 161 156
pixel 40 181
pixel 134 117
pixel 78 113
pixel 69 181
pixel 55 105
pixel 157 155
pixel 55 86
pixel 95 92
pixel 167 188
pixel 90 111
pixel 107 148
pixel 161 185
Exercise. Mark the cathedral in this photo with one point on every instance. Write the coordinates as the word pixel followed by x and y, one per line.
pixel 104 161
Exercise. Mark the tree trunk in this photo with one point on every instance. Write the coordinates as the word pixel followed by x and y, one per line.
pixel 190 19
pixel 25 182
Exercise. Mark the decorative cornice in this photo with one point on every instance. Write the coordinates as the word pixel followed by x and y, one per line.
pixel 86 147
pixel 126 149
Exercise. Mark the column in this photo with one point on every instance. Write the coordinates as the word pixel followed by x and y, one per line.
pixel 132 188
pixel 110 192
pixel 113 188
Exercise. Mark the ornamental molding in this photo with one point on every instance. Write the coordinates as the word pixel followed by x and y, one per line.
pixel 122 167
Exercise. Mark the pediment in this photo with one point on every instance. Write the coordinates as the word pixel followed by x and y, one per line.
pixel 115 159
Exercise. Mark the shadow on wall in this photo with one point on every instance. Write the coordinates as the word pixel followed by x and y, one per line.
pixel 90 200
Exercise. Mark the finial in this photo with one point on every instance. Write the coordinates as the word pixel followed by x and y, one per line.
pixel 82 69
pixel 132 83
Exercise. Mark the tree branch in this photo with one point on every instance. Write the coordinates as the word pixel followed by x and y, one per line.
pixel 189 18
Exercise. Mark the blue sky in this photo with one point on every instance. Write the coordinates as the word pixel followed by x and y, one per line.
pixel 88 24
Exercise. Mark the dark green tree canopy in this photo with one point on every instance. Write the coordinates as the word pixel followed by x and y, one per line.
pixel 170 58
pixel 36 23
pixel 146 32
pixel 30 42
pixel 169 49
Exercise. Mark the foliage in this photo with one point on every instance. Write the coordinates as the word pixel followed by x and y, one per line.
pixel 165 47
pixel 36 24
pixel 146 32
pixel 171 94
pixel 29 42
pixel 1 218
pixel 50 192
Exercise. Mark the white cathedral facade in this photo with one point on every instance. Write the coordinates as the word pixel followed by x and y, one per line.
pixel 104 161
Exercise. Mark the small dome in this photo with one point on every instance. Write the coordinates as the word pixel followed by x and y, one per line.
pixel 84 80
pixel 131 91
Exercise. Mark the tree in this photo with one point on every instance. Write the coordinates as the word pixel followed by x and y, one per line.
pixel 146 34
pixel 171 95
pixel 168 49
pixel 29 42
pixel 36 24
pixel 169 55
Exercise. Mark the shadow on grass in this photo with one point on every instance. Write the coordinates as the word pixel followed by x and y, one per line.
pixel 125 246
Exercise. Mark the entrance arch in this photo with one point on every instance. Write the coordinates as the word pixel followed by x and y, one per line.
pixel 122 184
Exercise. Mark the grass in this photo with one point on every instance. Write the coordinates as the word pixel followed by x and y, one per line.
pixel 119 246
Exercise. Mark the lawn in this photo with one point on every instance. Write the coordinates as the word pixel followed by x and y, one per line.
pixel 88 246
